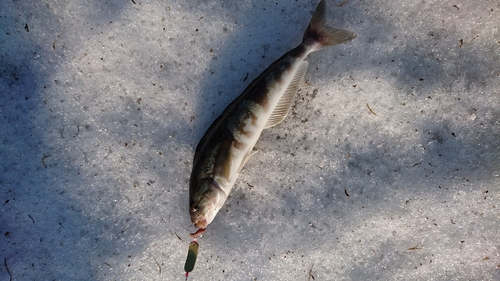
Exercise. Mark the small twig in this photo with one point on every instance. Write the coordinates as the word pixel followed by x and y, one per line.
pixel 159 267
pixel 177 236
pixel 347 194
pixel 343 3
pixel 31 218
pixel 371 110
pixel 43 160
pixel 7 268
pixel 78 129
pixel 414 248
pixel 310 273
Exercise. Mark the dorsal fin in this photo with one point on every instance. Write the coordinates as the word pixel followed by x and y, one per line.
pixel 281 110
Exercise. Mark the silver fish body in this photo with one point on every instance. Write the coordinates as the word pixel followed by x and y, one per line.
pixel 227 145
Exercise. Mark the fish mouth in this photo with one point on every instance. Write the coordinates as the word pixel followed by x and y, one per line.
pixel 201 223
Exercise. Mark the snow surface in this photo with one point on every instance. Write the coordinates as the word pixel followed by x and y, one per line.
pixel 387 167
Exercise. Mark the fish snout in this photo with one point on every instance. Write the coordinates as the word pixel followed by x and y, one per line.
pixel 201 223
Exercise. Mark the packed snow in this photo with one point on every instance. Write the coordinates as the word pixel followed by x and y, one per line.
pixel 386 168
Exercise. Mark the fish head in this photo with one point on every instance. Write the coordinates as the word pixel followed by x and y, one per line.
pixel 205 204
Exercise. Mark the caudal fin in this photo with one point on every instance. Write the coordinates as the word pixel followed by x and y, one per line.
pixel 318 31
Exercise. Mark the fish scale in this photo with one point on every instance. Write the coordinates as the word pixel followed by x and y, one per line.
pixel 228 143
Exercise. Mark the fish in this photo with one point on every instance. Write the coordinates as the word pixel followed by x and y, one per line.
pixel 228 143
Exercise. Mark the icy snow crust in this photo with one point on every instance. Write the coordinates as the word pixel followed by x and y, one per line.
pixel 387 167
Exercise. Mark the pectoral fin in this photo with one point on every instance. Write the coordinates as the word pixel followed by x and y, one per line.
pixel 283 107
pixel 247 157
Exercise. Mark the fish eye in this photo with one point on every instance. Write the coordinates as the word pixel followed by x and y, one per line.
pixel 194 208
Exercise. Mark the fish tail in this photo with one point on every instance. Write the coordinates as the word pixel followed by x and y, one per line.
pixel 318 32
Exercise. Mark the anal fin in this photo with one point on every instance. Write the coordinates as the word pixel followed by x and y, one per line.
pixel 249 154
pixel 283 107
